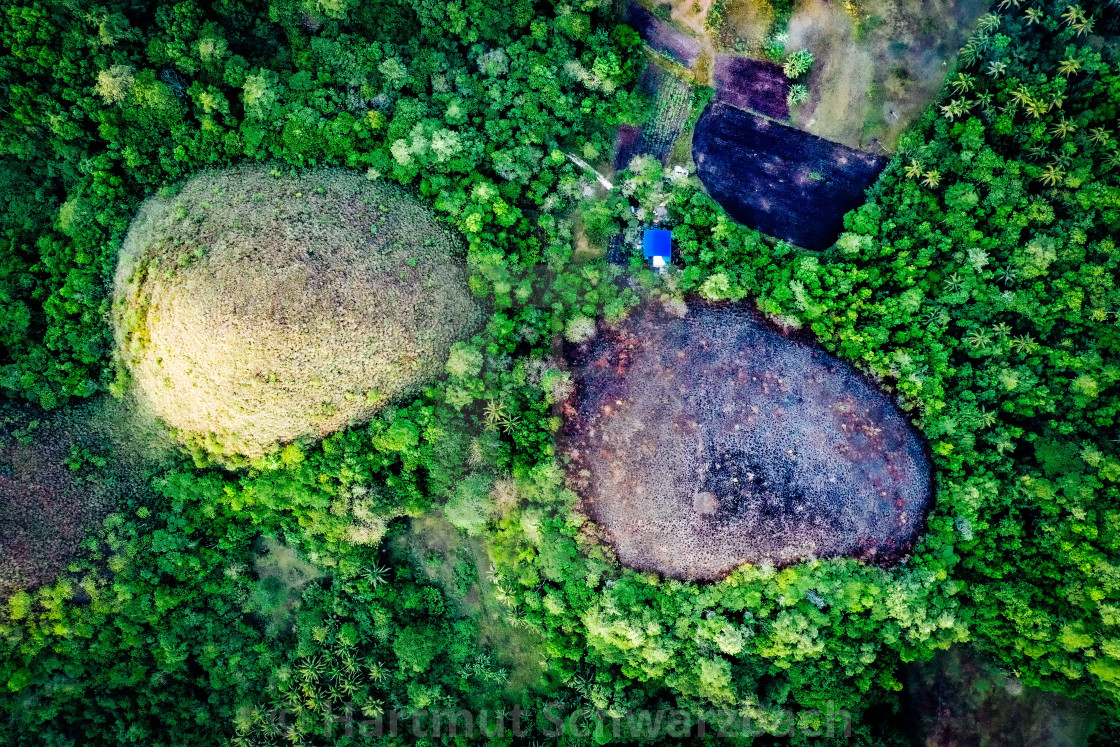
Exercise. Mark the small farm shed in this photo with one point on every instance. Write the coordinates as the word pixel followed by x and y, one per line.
pixel 657 246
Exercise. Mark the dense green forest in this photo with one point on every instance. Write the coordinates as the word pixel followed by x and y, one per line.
pixel 977 284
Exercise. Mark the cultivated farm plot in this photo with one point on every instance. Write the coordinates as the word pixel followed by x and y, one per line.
pixel 669 112
pixel 662 37
pixel 671 99
pixel 780 180
pixel 704 440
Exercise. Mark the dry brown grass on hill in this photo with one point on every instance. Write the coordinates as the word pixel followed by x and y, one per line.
pixel 703 440
pixel 61 472
pixel 253 310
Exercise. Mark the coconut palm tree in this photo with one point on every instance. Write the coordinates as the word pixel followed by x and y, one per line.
pixel 1021 95
pixel 494 413
pixel 954 283
pixel 1073 14
pixel 1099 135
pixel 932 178
pixel 376 575
pixel 1069 66
pixel 955 108
pixel 978 339
pixel 996 68
pixel 963 83
pixel 1024 344
pixel 1037 107
pixel 1032 15
pixel 1064 128
pixel 989 22
pixel 914 170
pixel 970 52
pixel 1052 176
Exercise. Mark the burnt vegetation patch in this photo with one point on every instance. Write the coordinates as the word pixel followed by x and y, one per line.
pixel 757 85
pixel 779 180
pixel 703 441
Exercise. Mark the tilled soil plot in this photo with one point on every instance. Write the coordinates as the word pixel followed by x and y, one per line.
pixel 777 179
pixel 702 442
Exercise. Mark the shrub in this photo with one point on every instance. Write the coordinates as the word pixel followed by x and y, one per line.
pixel 798 63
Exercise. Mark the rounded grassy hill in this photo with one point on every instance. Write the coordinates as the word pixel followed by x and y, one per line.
pixel 252 309
pixel 701 437
pixel 61 473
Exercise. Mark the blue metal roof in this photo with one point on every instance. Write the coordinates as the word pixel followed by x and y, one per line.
pixel 657 242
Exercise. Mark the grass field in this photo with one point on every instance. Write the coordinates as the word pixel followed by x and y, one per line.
pixel 877 66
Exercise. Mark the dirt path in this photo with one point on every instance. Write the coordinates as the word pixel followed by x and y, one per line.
pixel 692 15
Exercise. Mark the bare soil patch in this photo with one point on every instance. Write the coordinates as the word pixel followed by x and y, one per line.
pixel 744 26
pixel 705 441
pixel 960 699
pixel 780 180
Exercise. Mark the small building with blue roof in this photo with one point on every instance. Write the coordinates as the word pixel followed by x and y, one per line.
pixel 657 246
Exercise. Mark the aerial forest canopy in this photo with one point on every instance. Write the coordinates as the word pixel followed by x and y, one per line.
pixel 339 250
